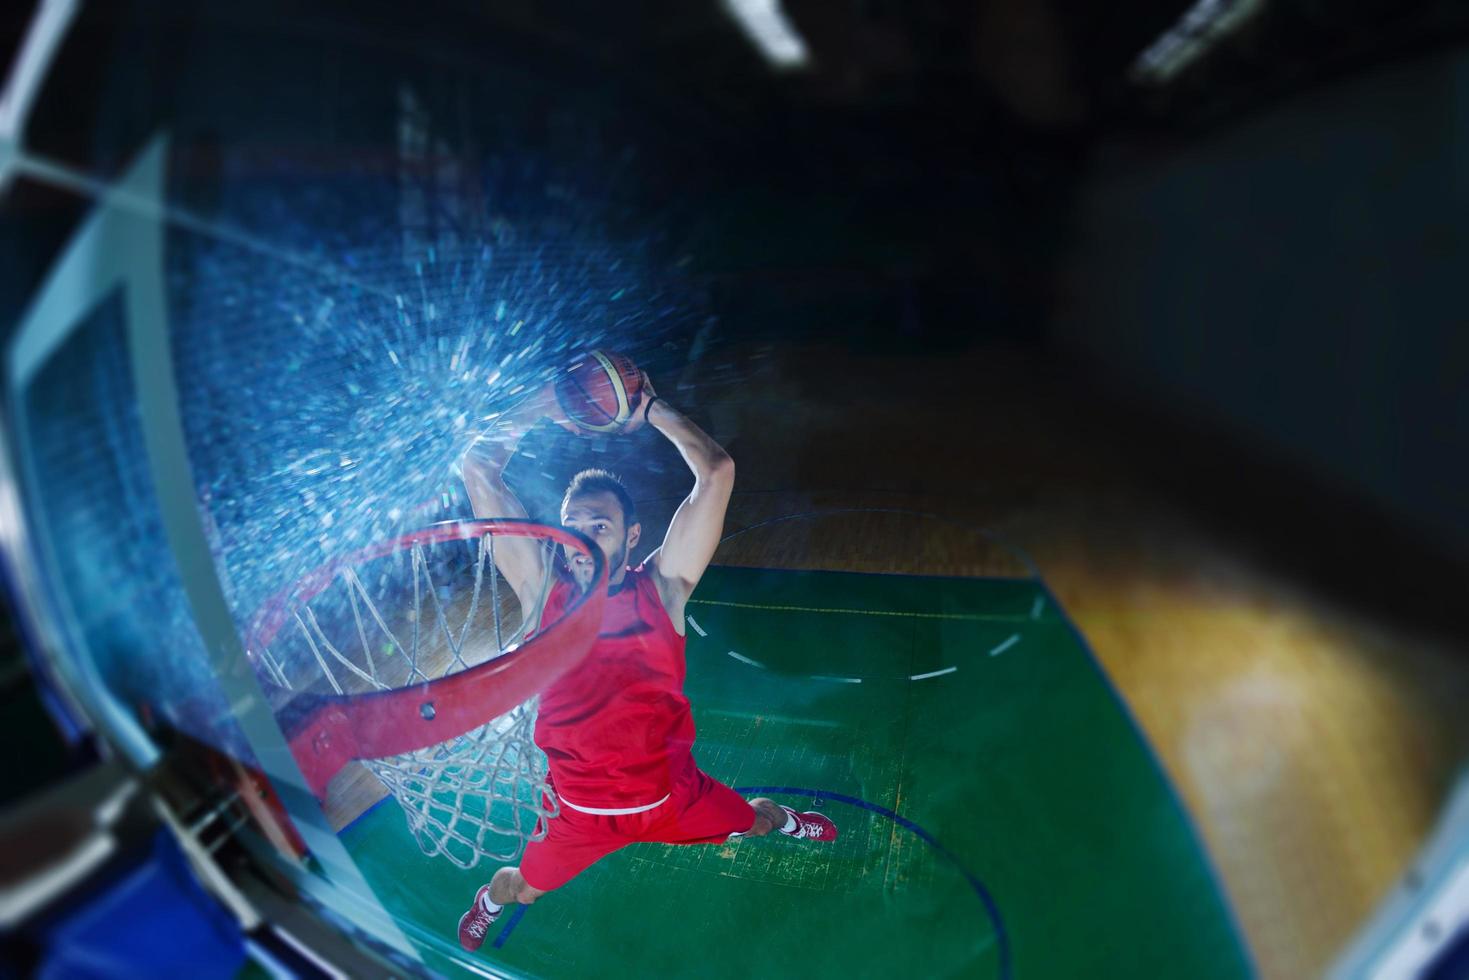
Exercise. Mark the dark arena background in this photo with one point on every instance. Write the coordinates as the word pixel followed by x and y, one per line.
pixel 1097 378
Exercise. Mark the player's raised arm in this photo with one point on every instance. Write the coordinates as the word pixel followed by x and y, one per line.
pixel 697 525
pixel 521 560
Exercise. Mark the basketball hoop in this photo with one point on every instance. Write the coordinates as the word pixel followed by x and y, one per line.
pixel 392 656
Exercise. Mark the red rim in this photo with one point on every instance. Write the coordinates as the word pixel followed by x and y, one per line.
pixel 328 731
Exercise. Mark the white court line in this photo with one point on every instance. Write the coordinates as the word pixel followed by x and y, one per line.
pixel 1035 610
pixel 697 628
pixel 932 673
pixel 746 660
pixel 840 680
pixel 1014 639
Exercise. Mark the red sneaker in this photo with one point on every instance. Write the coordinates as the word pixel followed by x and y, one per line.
pixel 811 825
pixel 476 922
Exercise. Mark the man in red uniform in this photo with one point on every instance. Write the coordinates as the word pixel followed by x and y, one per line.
pixel 617 730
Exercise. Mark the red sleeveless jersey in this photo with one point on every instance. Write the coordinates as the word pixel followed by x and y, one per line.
pixel 617 729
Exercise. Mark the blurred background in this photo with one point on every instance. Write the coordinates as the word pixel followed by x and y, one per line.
pixel 1167 295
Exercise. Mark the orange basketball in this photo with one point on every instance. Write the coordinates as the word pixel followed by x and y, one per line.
pixel 600 390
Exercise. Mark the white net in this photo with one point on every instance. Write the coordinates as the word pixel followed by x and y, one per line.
pixel 410 616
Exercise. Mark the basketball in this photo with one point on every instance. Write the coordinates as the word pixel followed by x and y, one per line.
pixel 600 390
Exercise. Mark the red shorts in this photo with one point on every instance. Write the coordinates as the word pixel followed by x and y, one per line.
pixel 699 810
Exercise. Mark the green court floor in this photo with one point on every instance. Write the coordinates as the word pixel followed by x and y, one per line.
pixel 1000 815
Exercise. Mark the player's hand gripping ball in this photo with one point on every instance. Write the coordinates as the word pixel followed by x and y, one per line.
pixel 600 391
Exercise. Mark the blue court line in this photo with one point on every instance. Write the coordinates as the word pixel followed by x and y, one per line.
pixel 353 822
pixel 516 915
pixel 1002 939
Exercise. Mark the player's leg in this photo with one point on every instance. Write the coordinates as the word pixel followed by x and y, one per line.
pixel 509 885
pixel 768 816
pixel 506 887
pixel 704 810
pixel 574 842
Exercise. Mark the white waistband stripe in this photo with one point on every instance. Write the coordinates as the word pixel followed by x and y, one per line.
pixel 598 811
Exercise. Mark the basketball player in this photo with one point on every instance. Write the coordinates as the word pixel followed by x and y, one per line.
pixel 616 730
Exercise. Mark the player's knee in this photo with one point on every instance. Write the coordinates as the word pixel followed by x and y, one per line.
pixel 525 892
pixel 506 886
pixel 509 885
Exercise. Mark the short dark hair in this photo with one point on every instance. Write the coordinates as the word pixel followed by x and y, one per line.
pixel 601 481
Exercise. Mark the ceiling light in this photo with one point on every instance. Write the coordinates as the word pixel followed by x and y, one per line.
pixel 770 30
pixel 1200 28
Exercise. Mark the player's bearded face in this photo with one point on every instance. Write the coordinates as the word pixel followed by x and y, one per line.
pixel 599 516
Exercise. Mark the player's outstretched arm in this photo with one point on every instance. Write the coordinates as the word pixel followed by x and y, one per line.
pixel 697 525
pixel 521 560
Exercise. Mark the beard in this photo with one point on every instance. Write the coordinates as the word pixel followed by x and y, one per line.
pixel 615 561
